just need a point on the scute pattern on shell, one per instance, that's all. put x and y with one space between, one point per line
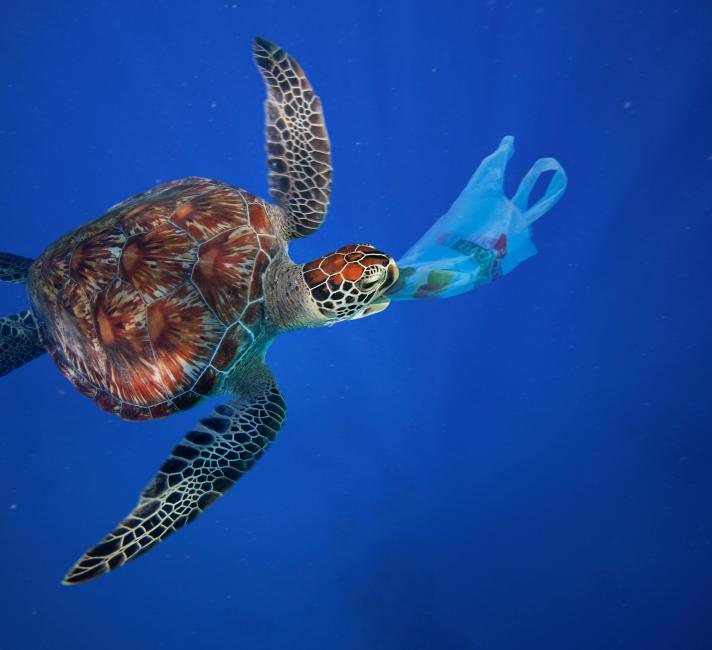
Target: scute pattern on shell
148 307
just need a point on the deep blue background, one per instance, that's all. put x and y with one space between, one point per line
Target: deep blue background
526 466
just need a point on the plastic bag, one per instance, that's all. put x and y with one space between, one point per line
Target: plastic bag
483 236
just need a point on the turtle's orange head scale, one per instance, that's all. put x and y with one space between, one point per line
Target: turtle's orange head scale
350 283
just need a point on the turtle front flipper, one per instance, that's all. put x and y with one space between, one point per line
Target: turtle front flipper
298 150
207 462
19 341
14 268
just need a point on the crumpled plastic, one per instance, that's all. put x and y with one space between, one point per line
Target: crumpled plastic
483 236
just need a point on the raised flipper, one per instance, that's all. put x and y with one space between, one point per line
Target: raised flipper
208 462
298 150
19 342
14 268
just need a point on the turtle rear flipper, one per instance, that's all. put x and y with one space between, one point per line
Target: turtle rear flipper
14 268
298 150
19 341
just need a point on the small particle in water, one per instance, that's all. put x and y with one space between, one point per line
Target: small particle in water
13 506
627 105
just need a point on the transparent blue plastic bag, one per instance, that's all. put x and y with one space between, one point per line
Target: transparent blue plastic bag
483 236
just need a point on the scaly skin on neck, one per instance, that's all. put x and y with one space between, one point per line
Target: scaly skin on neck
288 301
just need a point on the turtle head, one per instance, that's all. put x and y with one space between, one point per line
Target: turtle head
351 282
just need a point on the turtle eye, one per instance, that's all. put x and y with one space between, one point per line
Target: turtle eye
369 282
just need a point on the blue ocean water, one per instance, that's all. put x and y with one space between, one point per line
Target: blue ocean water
525 466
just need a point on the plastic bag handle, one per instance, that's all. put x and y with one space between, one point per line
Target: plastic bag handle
553 193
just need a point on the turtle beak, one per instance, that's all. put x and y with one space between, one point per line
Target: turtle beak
391 277
374 308
381 301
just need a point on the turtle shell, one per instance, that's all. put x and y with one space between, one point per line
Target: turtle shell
147 308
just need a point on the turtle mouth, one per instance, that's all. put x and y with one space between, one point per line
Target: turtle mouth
376 306
392 273
381 300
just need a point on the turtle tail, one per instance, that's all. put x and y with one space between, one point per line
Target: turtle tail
14 268
19 341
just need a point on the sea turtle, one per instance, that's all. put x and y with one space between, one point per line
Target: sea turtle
175 294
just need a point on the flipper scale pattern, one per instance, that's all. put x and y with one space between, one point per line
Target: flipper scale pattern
19 342
208 461
14 268
298 149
